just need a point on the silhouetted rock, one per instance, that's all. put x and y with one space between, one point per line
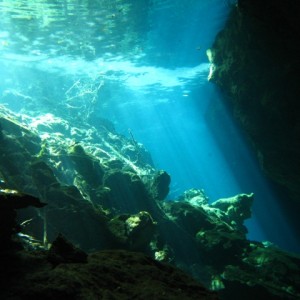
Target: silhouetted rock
62 251
256 63
160 185
10 201
105 275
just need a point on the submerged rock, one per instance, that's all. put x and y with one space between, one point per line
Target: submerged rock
266 272
236 209
106 275
256 64
86 165
133 232
99 199
127 192
228 259
62 251
10 201
160 185
194 197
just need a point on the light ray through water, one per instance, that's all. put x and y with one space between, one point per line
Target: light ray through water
160 92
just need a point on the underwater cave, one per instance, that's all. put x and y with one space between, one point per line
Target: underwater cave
149 149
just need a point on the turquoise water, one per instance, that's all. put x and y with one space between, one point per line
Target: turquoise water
142 65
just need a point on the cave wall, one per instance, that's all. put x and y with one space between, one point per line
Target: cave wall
255 62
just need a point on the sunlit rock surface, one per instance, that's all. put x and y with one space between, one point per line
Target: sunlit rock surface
98 198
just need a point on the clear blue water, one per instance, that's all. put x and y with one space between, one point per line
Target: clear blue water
143 65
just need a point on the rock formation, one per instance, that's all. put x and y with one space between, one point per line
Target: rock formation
122 206
255 62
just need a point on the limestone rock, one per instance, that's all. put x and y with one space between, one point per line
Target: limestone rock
237 209
133 232
127 193
86 165
160 185
194 197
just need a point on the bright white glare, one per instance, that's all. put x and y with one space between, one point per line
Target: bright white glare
131 75
4 34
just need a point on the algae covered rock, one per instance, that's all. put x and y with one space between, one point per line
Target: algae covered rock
86 165
213 226
195 197
266 271
133 232
107 274
98 198
221 239
236 209
191 218
18 147
128 193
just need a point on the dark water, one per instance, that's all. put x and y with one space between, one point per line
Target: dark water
142 65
